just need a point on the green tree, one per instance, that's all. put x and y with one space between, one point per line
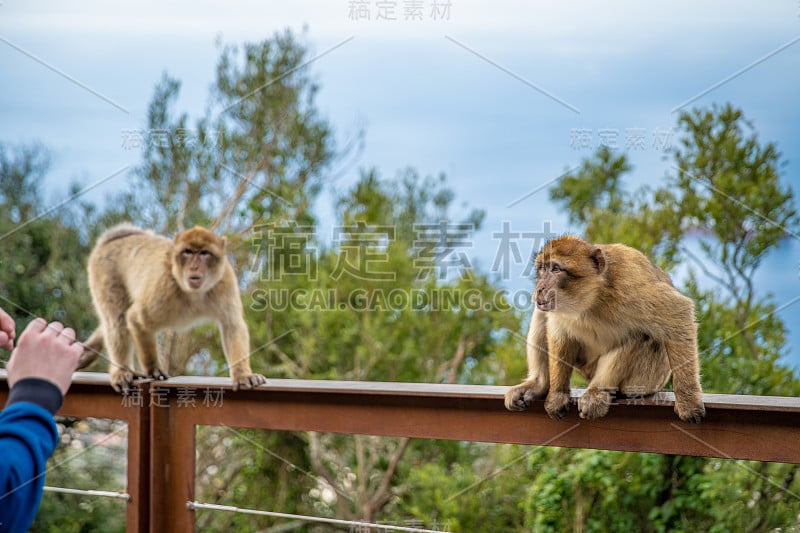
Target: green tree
41 273
347 325
731 195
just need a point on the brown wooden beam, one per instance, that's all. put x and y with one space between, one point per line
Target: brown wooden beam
741 427
161 439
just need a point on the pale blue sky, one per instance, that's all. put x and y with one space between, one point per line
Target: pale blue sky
492 96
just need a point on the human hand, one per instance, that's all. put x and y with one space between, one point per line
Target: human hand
45 351
7 331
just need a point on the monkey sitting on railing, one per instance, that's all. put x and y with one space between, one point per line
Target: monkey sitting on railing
608 312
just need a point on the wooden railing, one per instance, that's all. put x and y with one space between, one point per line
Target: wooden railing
163 417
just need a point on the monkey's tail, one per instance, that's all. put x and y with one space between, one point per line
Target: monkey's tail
91 349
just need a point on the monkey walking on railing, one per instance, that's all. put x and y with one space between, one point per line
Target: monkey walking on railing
142 283
608 312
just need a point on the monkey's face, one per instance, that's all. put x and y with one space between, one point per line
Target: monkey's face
197 260
198 266
569 274
550 277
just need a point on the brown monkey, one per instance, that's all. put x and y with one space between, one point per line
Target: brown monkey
142 283
608 312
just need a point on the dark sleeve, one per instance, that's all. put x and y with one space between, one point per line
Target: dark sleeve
39 391
28 436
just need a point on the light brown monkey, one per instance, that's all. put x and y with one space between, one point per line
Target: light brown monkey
143 283
608 312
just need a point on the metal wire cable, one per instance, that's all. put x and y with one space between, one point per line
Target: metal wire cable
306 518
99 493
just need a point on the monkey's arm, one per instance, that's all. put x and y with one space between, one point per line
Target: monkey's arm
563 352
535 387
236 343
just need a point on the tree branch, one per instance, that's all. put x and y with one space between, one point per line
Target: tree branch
702 266
383 492
315 454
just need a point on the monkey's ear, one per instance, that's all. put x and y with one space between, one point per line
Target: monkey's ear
599 258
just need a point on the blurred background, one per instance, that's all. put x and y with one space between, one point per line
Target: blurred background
354 148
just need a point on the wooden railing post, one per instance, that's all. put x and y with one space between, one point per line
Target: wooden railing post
172 463
138 513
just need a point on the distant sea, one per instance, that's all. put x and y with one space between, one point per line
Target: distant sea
779 275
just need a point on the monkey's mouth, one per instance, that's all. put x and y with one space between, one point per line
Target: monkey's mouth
195 282
546 304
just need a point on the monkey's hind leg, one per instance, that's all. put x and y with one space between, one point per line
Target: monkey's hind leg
685 367
120 351
637 368
144 338
596 400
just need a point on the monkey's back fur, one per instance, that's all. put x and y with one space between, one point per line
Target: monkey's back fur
120 231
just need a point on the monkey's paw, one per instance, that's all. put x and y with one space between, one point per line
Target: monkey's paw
157 374
122 379
249 381
520 397
594 404
557 404
690 411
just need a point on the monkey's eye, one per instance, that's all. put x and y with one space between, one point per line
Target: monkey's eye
188 251
204 253
555 268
